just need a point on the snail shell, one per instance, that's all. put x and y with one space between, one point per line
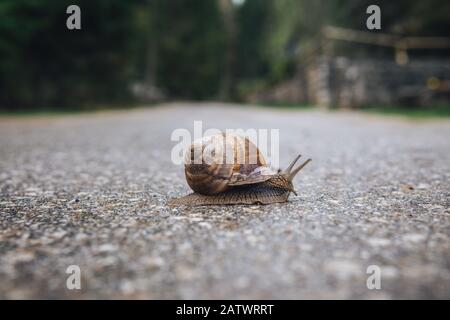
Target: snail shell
215 163
226 169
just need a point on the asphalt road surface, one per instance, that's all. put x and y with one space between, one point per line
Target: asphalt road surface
91 190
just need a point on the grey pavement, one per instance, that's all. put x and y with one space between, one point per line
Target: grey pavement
91 190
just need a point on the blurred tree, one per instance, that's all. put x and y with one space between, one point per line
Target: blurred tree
178 45
253 25
226 87
191 48
43 64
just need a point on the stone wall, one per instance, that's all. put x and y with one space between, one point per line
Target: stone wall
354 83
363 82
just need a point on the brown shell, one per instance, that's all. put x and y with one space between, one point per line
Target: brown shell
214 163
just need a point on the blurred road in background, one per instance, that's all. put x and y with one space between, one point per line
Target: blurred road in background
91 190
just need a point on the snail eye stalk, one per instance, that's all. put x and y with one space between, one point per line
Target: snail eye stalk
288 169
296 170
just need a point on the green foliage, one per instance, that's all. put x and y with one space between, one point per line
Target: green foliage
188 48
42 63
253 19
191 48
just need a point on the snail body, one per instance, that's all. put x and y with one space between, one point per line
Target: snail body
229 169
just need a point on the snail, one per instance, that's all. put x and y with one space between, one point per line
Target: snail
229 169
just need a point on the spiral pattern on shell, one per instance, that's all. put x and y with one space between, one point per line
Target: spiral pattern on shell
213 161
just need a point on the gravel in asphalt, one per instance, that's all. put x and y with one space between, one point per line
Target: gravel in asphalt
91 190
